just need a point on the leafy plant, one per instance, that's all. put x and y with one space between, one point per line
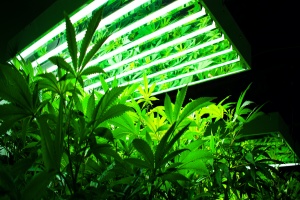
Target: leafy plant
61 142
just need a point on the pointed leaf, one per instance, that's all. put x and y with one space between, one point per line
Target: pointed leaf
179 101
90 105
93 51
197 155
114 111
91 28
160 152
193 106
171 156
92 70
168 108
197 165
144 148
71 40
61 63
138 162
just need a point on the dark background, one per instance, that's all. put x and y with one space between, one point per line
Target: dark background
271 27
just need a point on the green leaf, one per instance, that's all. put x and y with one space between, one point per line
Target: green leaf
108 100
103 83
71 40
197 155
249 157
174 177
93 51
193 106
168 108
178 103
160 152
105 133
14 88
144 148
124 181
92 70
171 156
37 185
61 63
90 105
91 28
176 137
125 122
197 166
106 150
138 163
112 112
48 146
48 82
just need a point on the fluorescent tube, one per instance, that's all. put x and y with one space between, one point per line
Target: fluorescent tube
79 15
119 13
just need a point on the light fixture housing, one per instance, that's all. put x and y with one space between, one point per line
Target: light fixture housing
176 43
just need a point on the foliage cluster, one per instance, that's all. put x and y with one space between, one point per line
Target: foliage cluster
61 142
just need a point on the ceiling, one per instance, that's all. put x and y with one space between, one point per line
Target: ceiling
270 28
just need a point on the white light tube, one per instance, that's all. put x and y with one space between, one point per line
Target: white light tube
192 62
212 42
129 28
161 47
79 15
119 13
197 72
95 85
147 37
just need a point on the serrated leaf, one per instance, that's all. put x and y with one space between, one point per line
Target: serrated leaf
197 166
71 40
193 106
110 98
171 156
112 112
91 28
197 155
93 51
144 148
61 63
14 88
92 70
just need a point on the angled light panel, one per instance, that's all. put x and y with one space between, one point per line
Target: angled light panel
173 42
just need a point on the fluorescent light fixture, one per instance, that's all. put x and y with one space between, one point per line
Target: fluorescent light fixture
147 37
175 43
95 85
161 47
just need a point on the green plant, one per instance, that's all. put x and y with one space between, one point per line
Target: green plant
61 142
